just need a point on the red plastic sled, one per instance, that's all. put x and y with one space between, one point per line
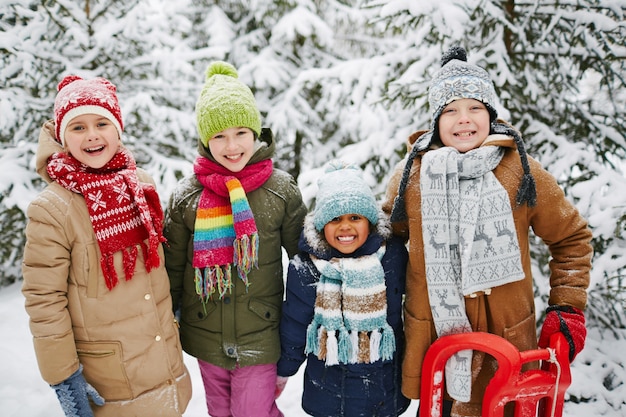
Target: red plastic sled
536 393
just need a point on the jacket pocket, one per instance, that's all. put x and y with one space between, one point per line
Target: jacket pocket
264 310
523 334
103 368
197 312
524 337
85 268
93 271
261 316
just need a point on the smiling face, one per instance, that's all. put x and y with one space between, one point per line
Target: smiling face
464 124
347 233
232 148
92 139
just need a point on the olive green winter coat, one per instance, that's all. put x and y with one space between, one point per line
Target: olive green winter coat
509 311
242 328
126 338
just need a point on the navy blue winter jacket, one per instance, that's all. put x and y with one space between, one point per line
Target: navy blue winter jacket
344 390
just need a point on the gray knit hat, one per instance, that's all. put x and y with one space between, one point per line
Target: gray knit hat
457 80
342 190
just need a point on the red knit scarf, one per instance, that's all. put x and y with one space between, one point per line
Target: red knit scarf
123 211
225 232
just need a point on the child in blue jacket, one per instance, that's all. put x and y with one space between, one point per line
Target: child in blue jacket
343 306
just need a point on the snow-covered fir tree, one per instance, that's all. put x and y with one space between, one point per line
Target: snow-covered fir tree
336 78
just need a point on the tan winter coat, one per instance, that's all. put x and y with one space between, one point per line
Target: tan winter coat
127 338
510 309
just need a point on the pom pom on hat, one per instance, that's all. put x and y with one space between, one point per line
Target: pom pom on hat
77 96
225 102
457 80
342 190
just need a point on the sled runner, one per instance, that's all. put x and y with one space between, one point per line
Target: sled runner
536 392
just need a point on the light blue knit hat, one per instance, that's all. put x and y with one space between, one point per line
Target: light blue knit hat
225 102
342 190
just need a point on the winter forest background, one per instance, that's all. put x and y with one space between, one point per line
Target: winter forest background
348 79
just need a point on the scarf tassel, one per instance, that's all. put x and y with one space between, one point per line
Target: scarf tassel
246 255
222 275
332 348
364 348
375 338
129 259
387 343
204 288
197 280
108 269
354 341
210 280
151 254
344 346
312 338
323 336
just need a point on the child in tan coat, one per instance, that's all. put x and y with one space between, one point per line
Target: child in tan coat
95 283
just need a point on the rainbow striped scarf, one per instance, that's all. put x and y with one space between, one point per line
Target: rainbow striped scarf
225 232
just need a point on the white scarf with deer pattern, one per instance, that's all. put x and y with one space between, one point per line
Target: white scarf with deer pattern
470 242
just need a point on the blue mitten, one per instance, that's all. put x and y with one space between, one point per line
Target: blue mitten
74 393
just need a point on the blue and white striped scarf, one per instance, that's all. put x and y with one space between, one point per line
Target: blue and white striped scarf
350 320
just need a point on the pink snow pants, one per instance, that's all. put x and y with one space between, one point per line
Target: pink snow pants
242 392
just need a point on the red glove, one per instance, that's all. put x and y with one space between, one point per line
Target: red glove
570 321
281 381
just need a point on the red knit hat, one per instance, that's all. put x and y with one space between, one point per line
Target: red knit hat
77 97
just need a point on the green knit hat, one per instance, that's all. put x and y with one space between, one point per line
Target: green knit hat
225 102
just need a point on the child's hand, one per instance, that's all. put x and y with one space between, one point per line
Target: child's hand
570 321
74 394
281 381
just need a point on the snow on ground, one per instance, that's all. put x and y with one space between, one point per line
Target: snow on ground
24 394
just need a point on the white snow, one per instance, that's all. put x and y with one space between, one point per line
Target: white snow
24 394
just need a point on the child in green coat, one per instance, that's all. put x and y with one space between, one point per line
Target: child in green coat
226 226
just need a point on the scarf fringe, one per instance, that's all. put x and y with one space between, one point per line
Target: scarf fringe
375 338
364 344
246 255
151 254
323 337
129 262
354 341
387 344
332 349
210 280
343 346
312 339
219 279
108 270
129 259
